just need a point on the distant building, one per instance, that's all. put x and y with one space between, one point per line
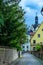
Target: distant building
32 30
37 38
36 22
34 27
26 46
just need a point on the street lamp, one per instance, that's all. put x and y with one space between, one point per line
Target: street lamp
42 11
41 43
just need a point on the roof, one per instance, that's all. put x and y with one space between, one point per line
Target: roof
32 33
36 30
35 26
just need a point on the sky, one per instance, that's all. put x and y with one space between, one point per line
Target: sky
31 7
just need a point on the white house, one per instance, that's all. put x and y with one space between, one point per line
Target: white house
26 46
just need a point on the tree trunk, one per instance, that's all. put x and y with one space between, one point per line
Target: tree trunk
18 54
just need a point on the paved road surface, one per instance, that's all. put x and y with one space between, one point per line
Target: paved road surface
29 59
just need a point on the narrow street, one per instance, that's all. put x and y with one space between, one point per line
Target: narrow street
29 59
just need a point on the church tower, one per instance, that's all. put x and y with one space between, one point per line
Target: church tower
36 20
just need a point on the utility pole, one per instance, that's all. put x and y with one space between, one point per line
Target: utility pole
41 43
42 11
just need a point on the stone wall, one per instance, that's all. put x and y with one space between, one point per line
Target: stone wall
7 55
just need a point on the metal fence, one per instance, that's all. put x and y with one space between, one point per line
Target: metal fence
38 54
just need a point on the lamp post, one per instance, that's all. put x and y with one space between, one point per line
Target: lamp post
42 11
41 43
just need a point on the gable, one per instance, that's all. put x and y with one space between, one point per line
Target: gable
38 36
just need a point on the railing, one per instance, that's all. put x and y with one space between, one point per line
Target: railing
38 54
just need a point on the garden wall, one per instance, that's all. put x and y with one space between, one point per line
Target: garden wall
7 55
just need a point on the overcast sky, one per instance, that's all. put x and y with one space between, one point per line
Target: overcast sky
31 7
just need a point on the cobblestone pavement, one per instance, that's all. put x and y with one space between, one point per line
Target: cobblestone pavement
29 59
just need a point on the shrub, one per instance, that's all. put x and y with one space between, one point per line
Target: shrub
38 47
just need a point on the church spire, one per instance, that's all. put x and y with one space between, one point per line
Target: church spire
36 19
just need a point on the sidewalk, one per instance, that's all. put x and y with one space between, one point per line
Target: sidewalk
15 62
28 59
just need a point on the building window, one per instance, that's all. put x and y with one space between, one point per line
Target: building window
33 48
23 46
38 35
34 41
27 47
42 29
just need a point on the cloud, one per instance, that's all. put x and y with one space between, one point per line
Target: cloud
36 2
31 7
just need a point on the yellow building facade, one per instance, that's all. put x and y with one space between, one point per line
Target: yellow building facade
37 38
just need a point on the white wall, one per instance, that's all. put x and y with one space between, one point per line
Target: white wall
26 44
8 55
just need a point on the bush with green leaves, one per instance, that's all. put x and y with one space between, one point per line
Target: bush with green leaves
38 47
